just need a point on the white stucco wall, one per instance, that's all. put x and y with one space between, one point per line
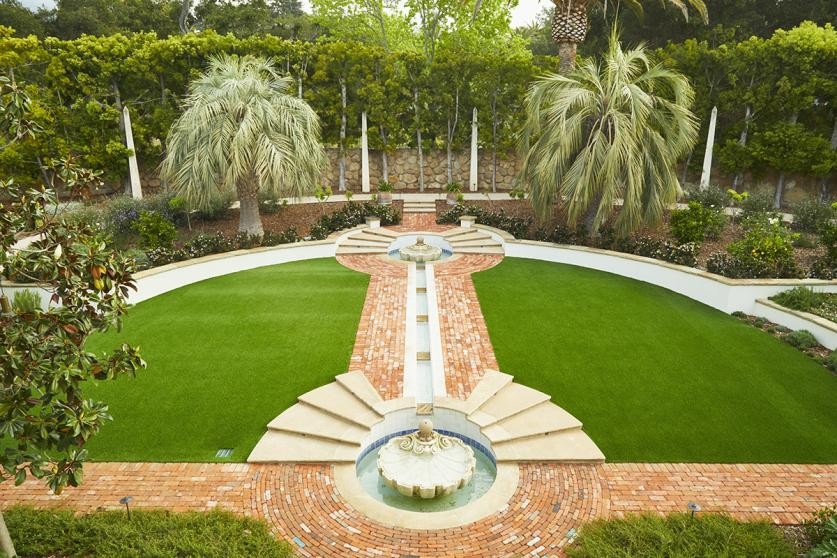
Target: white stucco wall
824 330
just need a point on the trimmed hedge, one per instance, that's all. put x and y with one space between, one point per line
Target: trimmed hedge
38 533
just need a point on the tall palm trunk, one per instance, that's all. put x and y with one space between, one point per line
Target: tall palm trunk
249 221
6 544
569 28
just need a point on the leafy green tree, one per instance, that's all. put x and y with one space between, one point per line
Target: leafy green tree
45 420
607 131
242 131
13 14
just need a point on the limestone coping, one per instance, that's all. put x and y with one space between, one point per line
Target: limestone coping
676 267
818 320
494 500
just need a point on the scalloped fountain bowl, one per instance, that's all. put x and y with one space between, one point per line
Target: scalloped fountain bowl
426 464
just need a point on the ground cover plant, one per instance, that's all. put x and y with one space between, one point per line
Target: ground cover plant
653 375
807 300
225 356
161 534
678 535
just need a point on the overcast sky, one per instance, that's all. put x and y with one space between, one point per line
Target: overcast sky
523 14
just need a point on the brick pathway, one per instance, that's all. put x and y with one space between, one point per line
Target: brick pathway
301 501
302 504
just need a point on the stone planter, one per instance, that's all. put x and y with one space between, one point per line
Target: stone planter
384 198
452 198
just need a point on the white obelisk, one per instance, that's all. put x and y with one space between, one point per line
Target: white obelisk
364 154
133 167
707 156
473 179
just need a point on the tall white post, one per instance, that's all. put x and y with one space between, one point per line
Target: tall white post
473 179
364 154
133 168
707 157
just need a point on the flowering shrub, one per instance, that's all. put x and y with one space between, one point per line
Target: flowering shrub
766 249
723 263
205 244
352 215
697 223
680 254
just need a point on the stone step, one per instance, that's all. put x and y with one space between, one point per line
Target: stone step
380 231
477 243
482 250
310 421
509 401
492 381
419 210
346 250
458 231
544 419
359 243
422 203
335 399
573 446
371 237
286 447
360 387
469 235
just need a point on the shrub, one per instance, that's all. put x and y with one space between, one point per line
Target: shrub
811 215
678 534
205 244
351 215
119 214
26 302
516 226
726 264
650 247
287 236
801 339
828 239
384 186
822 533
766 249
697 223
712 198
162 256
218 207
799 298
155 231
759 203
269 204
148 533
805 241
140 258
831 361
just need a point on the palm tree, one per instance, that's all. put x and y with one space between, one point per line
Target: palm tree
241 131
569 23
608 131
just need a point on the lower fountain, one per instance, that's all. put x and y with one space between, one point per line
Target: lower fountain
426 464
420 252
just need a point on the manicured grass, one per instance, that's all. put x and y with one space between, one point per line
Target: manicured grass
655 376
38 533
225 356
678 536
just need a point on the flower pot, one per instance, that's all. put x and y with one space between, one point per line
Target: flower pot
452 198
384 198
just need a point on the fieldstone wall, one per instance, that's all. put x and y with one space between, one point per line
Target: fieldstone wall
404 172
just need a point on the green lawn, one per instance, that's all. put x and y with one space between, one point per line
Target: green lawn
653 375
224 357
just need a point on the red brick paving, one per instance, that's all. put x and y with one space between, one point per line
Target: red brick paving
551 499
302 501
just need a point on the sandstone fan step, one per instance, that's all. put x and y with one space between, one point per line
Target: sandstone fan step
474 235
429 203
458 231
544 419
476 243
382 232
512 399
286 447
492 381
310 421
482 250
346 250
381 239
360 387
419 210
573 446
360 243
335 399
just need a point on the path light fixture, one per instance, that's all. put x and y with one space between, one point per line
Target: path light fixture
125 500
693 507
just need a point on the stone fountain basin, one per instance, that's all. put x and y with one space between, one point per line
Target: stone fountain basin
427 475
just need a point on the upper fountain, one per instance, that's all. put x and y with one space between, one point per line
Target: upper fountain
420 252
426 464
